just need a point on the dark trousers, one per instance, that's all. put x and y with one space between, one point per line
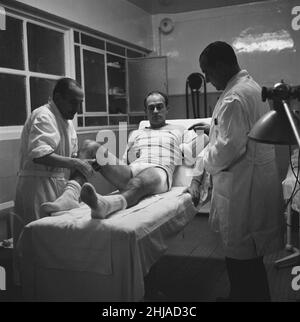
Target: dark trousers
248 280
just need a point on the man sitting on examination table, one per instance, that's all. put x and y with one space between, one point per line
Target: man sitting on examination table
246 205
148 164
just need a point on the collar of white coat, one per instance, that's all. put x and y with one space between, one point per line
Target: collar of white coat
235 79
56 111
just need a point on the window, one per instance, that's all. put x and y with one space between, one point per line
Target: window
116 75
45 50
94 81
101 68
12 98
40 89
11 44
35 53
32 58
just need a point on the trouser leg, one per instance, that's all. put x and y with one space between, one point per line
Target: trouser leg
248 279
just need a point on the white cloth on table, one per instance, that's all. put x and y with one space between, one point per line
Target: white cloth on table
71 241
121 248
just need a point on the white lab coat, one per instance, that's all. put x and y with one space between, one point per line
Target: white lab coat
44 132
246 206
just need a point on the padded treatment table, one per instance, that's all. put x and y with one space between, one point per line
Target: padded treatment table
73 257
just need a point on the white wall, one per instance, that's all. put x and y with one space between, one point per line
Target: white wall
262 34
117 18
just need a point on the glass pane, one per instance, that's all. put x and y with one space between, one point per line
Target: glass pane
96 120
94 82
117 84
78 64
12 100
91 41
40 91
45 50
77 37
136 119
133 54
11 44
115 49
115 120
78 69
117 105
80 121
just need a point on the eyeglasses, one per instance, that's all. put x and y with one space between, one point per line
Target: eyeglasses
158 107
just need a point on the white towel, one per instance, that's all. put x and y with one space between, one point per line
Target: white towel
72 241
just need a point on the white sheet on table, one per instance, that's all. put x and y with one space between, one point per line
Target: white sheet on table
74 241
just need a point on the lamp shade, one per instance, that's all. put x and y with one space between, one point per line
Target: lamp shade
273 128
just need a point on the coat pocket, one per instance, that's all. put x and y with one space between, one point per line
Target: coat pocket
220 205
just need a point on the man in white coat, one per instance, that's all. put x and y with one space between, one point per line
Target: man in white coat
47 156
246 206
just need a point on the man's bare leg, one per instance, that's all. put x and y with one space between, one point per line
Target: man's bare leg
112 169
148 182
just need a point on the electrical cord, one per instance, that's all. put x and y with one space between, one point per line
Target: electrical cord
294 192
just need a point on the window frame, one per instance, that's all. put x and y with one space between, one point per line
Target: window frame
88 129
14 131
68 28
97 51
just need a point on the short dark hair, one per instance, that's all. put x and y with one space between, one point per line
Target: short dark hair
165 97
63 85
219 51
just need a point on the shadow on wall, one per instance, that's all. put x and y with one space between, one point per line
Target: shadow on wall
177 105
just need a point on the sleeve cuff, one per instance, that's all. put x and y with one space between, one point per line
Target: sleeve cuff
40 151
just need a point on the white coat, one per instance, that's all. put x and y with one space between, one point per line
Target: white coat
44 132
246 206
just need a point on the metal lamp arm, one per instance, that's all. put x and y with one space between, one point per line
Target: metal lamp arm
292 121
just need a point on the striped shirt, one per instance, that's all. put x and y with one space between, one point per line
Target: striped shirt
161 147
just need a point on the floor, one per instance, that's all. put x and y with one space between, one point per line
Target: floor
192 270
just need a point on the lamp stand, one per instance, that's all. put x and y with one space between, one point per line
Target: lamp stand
294 258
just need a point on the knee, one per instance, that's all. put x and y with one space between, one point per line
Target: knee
136 183
147 185
88 149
